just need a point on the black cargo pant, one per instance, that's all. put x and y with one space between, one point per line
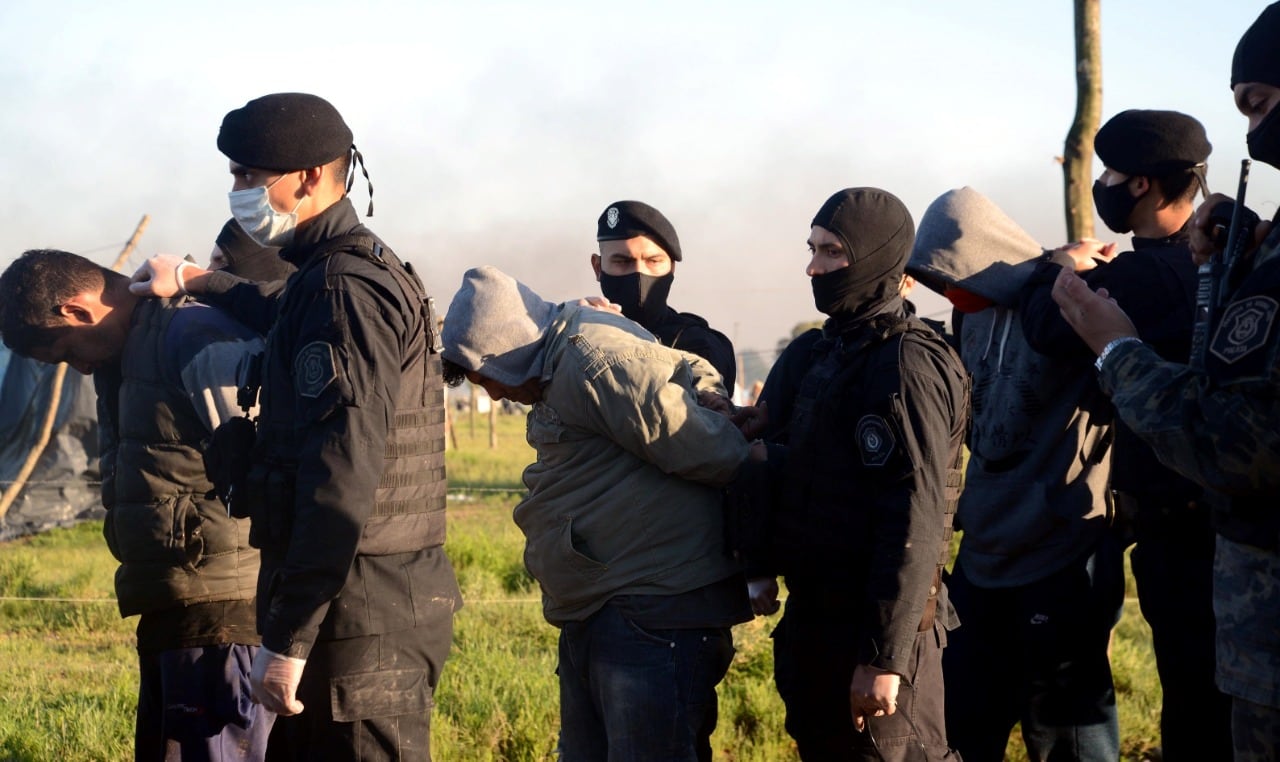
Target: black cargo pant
1173 568
815 652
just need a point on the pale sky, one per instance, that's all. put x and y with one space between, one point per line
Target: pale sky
496 133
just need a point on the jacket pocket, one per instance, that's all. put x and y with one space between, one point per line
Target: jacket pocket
563 564
187 537
380 694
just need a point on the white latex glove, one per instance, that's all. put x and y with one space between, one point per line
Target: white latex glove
274 679
161 276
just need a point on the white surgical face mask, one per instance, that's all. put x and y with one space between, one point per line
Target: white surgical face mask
252 209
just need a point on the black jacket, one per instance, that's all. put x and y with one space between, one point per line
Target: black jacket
866 430
348 468
1156 285
690 333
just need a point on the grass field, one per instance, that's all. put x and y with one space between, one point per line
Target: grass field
69 686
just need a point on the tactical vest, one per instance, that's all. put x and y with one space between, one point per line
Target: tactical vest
175 542
824 521
1244 348
409 503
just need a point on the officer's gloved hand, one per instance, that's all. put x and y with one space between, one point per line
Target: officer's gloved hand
162 276
275 681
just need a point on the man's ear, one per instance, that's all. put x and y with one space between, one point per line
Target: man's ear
81 309
312 177
595 265
1140 185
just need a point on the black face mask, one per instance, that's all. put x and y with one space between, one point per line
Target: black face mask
1115 203
1264 140
837 291
643 298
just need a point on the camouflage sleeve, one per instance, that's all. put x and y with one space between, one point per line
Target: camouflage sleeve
1225 437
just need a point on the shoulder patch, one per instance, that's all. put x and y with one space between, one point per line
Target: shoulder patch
1245 327
314 368
875 440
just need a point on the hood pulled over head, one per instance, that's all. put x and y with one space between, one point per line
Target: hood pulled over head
496 326
966 242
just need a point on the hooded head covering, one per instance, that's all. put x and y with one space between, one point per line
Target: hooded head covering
876 230
249 259
965 241
1257 57
496 326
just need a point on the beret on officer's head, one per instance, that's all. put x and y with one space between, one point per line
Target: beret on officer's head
284 132
628 219
1257 57
871 223
1146 142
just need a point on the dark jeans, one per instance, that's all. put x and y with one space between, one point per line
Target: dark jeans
194 705
815 653
367 698
1037 654
628 694
1173 566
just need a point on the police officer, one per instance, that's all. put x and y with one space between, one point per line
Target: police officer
347 490
1219 424
636 267
1153 167
866 421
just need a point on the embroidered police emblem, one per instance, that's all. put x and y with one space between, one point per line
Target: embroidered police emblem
875 440
314 368
611 217
1245 327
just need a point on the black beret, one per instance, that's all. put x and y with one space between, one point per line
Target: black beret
249 259
1257 57
628 219
1144 142
872 223
284 132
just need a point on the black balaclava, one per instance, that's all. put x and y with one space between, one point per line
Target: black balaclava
247 258
643 297
877 233
1257 59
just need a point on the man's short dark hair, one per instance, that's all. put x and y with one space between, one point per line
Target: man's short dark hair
1180 185
35 286
454 374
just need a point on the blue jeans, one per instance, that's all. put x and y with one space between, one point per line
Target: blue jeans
194 704
628 694
1036 654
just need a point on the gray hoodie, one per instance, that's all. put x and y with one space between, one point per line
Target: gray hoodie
1035 488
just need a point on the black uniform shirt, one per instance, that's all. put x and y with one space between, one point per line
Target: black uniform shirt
1156 285
690 333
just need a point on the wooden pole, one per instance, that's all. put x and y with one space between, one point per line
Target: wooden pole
493 425
1077 157
132 244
